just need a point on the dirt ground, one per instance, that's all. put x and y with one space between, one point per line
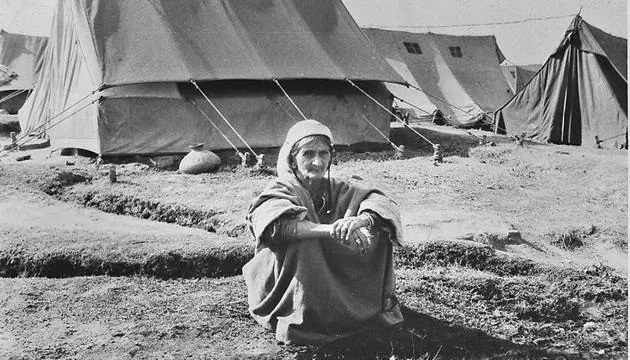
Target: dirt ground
512 252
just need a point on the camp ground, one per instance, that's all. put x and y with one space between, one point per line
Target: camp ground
578 97
458 75
514 246
24 31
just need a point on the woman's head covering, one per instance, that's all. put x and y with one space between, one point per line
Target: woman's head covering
296 133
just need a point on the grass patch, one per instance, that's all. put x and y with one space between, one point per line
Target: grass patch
164 265
571 239
494 154
474 256
54 182
121 204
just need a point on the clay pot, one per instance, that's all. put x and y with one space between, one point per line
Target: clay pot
199 161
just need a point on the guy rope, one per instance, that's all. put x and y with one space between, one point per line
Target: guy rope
447 120
437 155
288 97
259 158
12 95
399 149
467 112
286 110
47 126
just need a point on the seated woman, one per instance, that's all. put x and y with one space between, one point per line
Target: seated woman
323 266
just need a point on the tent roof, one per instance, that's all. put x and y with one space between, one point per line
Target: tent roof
173 40
462 85
613 47
587 37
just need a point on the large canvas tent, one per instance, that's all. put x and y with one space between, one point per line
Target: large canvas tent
137 57
459 75
24 27
578 97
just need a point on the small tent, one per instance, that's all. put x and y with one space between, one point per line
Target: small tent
459 75
132 62
517 76
578 97
24 28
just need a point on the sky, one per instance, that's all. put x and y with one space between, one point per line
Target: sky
529 42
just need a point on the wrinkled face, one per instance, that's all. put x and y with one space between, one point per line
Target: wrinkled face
312 160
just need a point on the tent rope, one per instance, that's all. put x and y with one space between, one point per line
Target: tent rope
389 111
383 135
407 102
17 146
517 137
439 99
43 125
243 156
612 137
482 118
12 95
447 120
223 117
437 153
286 110
288 97
214 125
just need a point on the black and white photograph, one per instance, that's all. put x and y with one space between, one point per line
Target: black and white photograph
313 179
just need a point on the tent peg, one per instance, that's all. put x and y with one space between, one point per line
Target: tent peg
259 161
437 155
244 158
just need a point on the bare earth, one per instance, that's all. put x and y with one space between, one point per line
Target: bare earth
512 251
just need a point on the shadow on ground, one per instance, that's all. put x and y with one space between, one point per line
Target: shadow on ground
424 337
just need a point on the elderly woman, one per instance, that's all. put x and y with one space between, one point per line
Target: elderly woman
323 265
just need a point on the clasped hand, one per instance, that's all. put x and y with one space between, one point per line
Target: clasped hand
353 232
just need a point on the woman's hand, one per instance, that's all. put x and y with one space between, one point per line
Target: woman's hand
361 241
342 229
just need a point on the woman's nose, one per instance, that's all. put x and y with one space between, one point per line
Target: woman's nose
317 161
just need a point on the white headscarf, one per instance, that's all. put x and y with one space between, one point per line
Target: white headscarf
296 133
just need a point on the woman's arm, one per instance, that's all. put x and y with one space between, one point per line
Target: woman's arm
288 230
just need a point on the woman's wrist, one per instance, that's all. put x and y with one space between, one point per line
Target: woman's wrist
307 229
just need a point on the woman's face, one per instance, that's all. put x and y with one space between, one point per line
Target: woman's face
312 160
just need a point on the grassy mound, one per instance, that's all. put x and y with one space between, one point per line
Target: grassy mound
465 254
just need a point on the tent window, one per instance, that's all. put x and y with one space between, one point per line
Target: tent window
412 47
513 74
455 51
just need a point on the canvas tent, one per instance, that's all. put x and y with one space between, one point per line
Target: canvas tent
517 76
137 57
460 75
578 97
24 27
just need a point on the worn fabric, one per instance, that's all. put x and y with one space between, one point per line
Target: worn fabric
315 291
